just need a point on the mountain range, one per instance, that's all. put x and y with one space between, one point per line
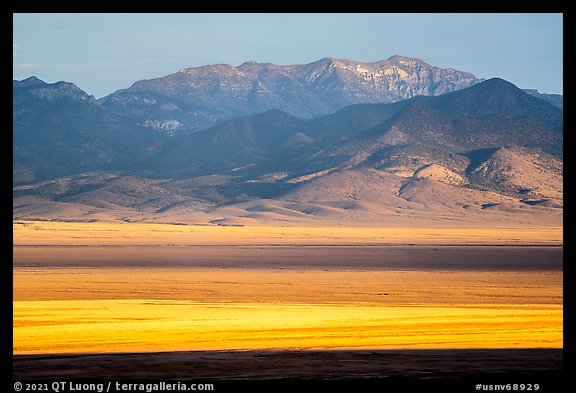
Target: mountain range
396 140
197 98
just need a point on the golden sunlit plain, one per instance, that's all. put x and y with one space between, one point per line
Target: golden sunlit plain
164 325
61 233
65 306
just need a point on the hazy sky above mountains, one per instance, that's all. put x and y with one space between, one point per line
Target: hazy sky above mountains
102 53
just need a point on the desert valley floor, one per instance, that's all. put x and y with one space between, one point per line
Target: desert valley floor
96 288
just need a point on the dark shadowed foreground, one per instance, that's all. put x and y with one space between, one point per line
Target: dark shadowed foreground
524 365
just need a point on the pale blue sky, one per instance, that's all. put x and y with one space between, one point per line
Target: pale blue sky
102 53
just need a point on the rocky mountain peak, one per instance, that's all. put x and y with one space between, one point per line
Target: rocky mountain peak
32 81
403 60
495 96
221 69
53 91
